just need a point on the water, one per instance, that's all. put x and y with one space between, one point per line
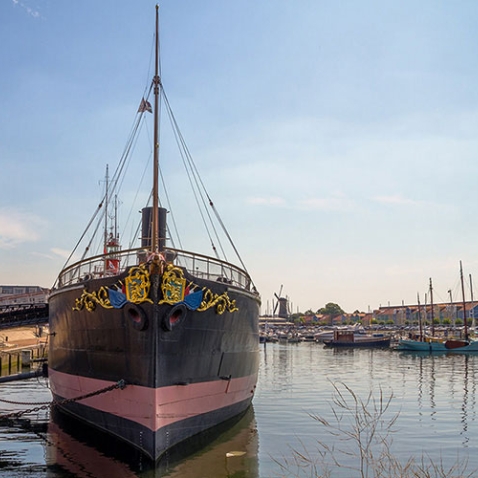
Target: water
432 397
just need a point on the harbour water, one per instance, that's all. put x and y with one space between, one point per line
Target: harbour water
424 407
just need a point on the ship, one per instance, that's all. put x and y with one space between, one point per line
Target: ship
152 344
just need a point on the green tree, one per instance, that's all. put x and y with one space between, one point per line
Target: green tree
331 310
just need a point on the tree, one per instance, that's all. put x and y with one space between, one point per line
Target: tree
331 310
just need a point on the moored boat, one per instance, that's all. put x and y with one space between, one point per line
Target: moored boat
467 344
428 344
422 342
153 344
346 338
327 333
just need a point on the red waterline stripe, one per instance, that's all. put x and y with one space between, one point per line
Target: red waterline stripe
154 408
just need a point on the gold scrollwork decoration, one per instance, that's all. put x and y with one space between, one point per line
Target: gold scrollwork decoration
88 300
136 284
222 302
174 286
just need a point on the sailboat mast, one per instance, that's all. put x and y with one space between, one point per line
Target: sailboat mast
464 304
156 82
420 317
472 308
431 305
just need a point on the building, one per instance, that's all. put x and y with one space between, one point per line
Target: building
11 295
441 313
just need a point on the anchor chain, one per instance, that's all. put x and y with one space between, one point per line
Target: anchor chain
121 384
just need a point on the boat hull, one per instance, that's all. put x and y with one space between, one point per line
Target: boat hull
372 343
460 346
421 346
182 375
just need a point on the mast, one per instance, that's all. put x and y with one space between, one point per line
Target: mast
472 305
116 236
156 83
464 304
105 233
431 305
420 318
452 310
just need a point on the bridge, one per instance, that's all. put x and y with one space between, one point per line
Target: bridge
23 314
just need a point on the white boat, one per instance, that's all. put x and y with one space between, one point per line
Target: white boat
328 333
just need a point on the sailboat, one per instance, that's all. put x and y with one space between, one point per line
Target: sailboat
465 344
423 343
153 344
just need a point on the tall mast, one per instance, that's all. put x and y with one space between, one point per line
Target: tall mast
464 304
105 233
156 82
472 308
116 217
431 305
420 317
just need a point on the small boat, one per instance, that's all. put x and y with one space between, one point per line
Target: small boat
423 342
154 344
428 344
466 345
433 344
347 338
327 333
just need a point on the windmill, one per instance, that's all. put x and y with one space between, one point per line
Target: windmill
282 304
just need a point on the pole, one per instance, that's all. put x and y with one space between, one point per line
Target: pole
156 82
431 305
464 304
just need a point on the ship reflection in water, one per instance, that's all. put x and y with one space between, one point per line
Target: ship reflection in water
72 449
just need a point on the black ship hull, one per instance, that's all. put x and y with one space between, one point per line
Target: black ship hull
153 371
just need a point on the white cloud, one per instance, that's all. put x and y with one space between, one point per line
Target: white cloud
41 255
396 199
60 252
331 203
34 13
17 227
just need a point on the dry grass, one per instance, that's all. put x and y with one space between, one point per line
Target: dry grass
361 432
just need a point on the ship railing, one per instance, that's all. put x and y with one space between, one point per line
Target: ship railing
198 265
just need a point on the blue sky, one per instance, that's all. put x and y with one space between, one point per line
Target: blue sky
338 138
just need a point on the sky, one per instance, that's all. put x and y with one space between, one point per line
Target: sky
339 137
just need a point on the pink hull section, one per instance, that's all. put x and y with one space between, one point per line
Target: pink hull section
155 408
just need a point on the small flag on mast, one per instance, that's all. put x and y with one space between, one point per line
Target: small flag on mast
145 106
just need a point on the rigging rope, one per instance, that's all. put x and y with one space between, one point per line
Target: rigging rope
193 176
199 185
202 198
